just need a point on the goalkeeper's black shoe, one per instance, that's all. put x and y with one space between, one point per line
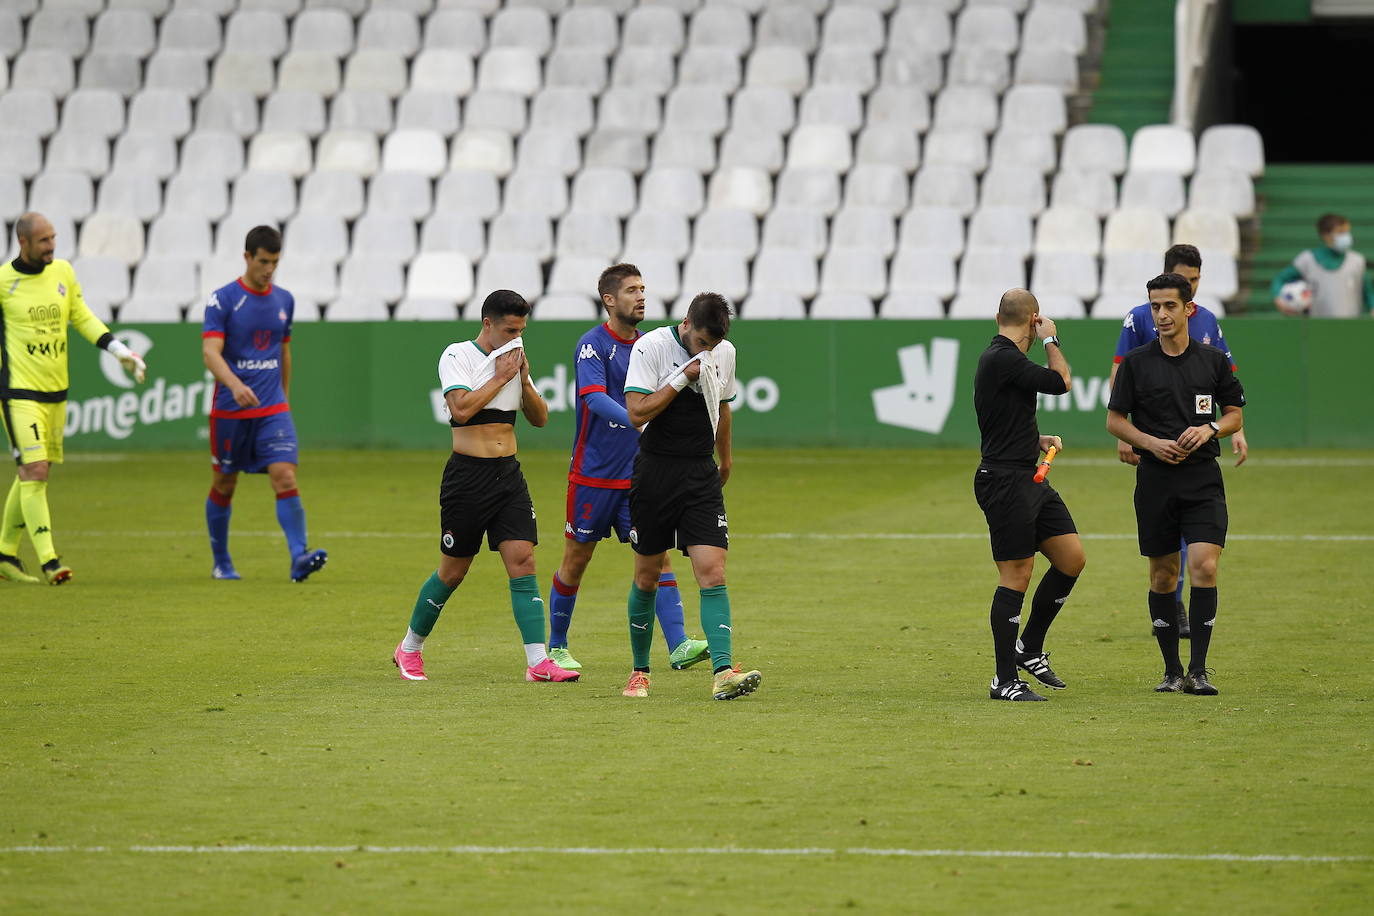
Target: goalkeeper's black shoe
1172 683
1184 631
1197 684
1016 691
1038 666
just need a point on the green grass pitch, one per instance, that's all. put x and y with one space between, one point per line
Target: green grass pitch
147 706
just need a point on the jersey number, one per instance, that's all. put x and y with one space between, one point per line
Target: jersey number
34 427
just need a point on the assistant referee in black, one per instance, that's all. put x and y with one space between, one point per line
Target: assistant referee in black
1023 516
1172 400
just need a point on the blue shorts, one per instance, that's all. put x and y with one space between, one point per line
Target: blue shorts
594 511
250 445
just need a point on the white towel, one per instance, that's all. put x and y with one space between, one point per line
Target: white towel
710 385
506 348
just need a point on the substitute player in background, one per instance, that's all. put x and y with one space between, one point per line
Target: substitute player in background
603 456
246 345
1164 404
483 490
680 382
1023 516
39 296
1138 330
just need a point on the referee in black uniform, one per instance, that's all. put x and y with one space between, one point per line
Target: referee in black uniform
1171 388
1023 516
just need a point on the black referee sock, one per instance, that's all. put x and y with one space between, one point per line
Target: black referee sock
1202 612
1050 596
1006 621
1164 618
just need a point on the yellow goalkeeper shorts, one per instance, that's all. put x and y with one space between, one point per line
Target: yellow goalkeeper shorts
35 430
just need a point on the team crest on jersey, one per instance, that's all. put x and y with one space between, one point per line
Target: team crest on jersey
1202 403
1207 339
61 290
281 316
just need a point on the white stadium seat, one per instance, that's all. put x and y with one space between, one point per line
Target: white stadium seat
772 304
1127 271
911 305
1094 148
1138 228
100 111
796 228
1153 188
339 193
1213 229
786 269
1065 273
1164 147
1068 228
1238 147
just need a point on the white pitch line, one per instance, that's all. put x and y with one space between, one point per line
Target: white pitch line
764 536
687 850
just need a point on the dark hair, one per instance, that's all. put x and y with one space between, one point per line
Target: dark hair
1174 282
1327 223
1015 307
613 276
262 237
1182 256
710 314
504 302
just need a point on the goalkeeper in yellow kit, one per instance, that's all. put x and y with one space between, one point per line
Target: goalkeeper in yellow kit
39 295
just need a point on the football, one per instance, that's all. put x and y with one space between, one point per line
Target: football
1296 296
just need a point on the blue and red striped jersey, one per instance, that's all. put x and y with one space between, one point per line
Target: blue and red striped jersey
254 325
603 451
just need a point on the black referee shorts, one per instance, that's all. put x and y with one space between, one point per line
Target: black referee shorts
1021 513
1173 501
483 496
676 502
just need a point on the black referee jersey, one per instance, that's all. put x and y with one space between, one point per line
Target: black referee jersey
1004 390
1164 395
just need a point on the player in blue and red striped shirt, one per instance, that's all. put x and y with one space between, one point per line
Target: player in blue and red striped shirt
246 343
1139 329
599 473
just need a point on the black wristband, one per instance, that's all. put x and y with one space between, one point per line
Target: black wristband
104 341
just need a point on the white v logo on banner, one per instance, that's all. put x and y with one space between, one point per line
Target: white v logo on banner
924 398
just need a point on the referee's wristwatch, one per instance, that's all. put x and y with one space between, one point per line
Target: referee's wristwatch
1216 428
1052 340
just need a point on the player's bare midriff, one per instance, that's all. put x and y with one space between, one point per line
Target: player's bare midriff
490 440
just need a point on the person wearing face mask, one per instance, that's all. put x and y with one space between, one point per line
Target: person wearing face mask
1333 270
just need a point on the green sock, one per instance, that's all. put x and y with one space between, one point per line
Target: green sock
641 607
428 604
528 608
715 620
12 528
33 496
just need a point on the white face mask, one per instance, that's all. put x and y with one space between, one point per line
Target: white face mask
1342 241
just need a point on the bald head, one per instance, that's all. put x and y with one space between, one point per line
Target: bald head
37 238
1016 309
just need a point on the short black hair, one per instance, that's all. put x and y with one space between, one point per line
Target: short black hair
503 302
710 314
262 237
613 276
1182 256
1327 223
1174 282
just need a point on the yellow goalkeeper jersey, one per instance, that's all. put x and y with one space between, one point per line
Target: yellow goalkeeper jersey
34 311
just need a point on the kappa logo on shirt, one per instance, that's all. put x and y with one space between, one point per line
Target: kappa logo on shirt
587 352
1202 403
